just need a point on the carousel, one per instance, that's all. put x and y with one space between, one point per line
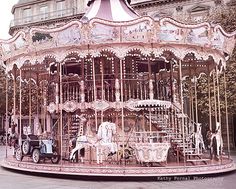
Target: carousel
115 94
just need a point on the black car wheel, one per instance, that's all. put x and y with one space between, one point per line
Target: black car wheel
36 155
18 154
55 158
26 147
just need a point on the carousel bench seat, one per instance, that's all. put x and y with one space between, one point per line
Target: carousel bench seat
33 139
152 152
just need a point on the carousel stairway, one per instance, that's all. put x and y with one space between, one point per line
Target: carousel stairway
72 132
74 126
65 146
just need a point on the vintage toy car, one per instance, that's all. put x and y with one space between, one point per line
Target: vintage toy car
38 149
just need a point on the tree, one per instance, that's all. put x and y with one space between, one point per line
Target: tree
226 17
2 91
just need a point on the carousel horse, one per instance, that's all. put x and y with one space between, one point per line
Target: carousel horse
216 141
103 140
198 139
80 143
105 135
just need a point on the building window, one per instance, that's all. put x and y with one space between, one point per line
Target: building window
27 15
198 13
61 8
43 11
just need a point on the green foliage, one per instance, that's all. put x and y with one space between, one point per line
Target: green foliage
226 17
2 91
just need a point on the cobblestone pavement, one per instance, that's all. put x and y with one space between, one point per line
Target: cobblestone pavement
14 180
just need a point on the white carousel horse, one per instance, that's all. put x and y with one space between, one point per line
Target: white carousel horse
105 135
218 138
104 140
199 143
81 142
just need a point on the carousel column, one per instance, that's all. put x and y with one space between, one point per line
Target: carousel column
44 109
61 113
196 101
182 108
82 94
191 114
29 130
122 105
151 95
95 93
218 94
7 118
171 81
117 88
103 93
215 101
14 97
209 99
37 124
173 110
20 116
219 115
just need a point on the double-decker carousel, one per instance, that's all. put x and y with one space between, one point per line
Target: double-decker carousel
115 94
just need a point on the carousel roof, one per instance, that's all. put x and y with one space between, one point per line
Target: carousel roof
112 10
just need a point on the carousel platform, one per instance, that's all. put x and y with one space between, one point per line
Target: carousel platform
67 169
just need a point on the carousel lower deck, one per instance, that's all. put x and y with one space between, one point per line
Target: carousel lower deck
121 169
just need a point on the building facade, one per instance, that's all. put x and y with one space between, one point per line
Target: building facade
55 12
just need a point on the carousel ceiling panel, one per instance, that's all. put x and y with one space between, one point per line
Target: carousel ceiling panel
146 34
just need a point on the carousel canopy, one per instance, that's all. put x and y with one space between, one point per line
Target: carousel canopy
152 103
112 10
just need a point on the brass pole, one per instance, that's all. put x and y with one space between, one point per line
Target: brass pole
218 94
122 106
196 101
209 102
215 103
30 102
14 94
7 119
61 112
101 62
95 93
20 106
182 108
226 114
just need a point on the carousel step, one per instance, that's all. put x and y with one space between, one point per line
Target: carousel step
198 160
190 153
195 154
177 141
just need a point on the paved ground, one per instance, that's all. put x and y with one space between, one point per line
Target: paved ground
13 180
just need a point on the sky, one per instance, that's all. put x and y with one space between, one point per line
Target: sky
6 17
